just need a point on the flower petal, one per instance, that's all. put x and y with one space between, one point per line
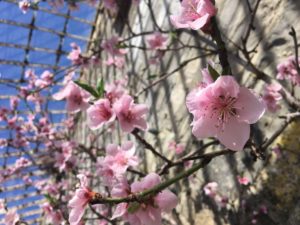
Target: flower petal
166 200
200 22
235 135
249 107
205 127
120 210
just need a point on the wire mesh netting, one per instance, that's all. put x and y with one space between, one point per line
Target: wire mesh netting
37 41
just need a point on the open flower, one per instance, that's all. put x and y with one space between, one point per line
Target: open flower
77 98
194 14
80 200
100 113
146 213
129 114
287 70
117 160
224 110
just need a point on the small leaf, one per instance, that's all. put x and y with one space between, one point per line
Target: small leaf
152 76
88 88
214 74
50 199
100 88
133 207
173 35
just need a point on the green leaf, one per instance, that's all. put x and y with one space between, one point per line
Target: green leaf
173 35
88 88
152 76
50 199
100 88
214 74
133 207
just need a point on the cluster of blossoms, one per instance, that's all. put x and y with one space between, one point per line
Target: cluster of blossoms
65 160
52 216
272 96
116 55
112 169
116 104
113 166
78 59
147 212
158 43
211 190
224 110
14 169
31 92
287 70
194 14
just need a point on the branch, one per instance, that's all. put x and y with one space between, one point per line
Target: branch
163 76
294 36
147 194
150 147
222 51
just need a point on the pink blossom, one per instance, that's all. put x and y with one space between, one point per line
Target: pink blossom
287 70
210 189
75 54
80 200
14 102
21 163
24 5
117 61
178 148
129 114
11 217
45 80
194 14
115 90
111 46
65 162
117 160
122 157
157 41
100 113
224 110
148 212
77 98
243 180
54 217
272 96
